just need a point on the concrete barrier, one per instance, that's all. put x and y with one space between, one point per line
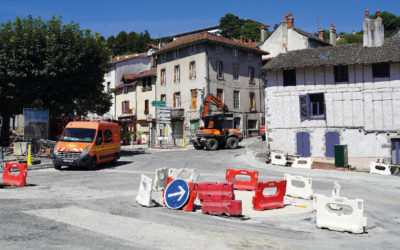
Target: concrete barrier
278 159
379 168
302 163
187 174
160 179
349 219
304 192
144 195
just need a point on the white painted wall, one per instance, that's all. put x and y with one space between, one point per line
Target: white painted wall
364 111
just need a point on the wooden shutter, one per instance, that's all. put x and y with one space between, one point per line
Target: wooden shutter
190 70
304 107
174 100
194 99
122 110
174 74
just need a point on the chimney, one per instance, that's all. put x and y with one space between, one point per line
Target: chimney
264 33
241 39
284 49
290 21
332 35
373 31
321 33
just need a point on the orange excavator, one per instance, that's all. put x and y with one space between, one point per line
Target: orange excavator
215 135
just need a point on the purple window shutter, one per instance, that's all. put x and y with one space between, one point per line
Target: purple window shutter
122 107
304 107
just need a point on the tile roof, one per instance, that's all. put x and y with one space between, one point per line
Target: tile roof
208 37
133 78
336 55
116 59
150 45
310 36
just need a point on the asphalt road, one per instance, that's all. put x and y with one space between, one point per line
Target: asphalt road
79 209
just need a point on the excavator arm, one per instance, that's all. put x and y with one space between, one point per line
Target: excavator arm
206 105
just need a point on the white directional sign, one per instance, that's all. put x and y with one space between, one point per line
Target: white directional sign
163 114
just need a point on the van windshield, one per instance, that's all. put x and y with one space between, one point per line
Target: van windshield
78 135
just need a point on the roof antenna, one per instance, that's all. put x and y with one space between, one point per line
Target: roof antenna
318 26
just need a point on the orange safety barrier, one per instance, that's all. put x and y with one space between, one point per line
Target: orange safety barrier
169 180
239 184
193 195
15 179
262 202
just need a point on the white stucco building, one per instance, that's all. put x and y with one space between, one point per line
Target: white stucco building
349 94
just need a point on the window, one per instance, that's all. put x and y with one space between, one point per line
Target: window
380 70
289 77
108 87
220 70
194 99
192 50
192 70
177 99
125 107
177 73
108 136
235 52
162 78
341 73
251 75
235 71
125 88
252 101
176 54
163 58
236 99
220 95
218 48
146 107
163 98
312 107
251 124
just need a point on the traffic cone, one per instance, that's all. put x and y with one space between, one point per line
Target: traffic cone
29 155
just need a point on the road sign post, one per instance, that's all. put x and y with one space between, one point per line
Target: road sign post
176 194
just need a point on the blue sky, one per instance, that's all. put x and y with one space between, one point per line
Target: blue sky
163 18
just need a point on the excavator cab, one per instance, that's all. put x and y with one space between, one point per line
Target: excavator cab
216 134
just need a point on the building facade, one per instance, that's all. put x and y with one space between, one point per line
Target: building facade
192 67
349 94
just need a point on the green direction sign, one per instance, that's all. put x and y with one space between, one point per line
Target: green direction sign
158 103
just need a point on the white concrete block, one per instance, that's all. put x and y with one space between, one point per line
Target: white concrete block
278 159
379 168
144 195
350 221
302 162
304 192
160 179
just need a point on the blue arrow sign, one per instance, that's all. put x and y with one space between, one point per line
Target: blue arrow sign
176 194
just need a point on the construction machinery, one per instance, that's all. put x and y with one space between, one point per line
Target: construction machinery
215 133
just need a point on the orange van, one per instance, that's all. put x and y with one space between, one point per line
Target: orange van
87 144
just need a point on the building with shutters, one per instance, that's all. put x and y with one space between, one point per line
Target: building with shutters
191 67
350 94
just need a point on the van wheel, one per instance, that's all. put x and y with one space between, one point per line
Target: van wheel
232 142
93 164
212 144
115 159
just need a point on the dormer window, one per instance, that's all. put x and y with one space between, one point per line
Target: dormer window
192 50
176 54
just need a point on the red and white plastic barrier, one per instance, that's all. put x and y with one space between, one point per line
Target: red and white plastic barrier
144 195
262 202
305 191
326 217
218 199
15 179
240 184
278 159
379 168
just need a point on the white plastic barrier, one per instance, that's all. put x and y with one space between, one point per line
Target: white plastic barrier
187 174
278 158
335 194
160 180
350 221
144 195
302 163
304 192
379 168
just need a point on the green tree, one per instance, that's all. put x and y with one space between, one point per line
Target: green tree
48 65
230 26
350 38
121 43
131 42
111 44
142 41
391 22
251 30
